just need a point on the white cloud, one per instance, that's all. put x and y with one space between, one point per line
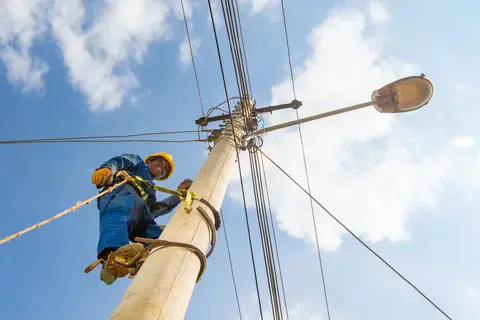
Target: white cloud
370 169
185 55
21 22
472 296
378 11
259 6
99 52
99 58
463 142
466 298
301 311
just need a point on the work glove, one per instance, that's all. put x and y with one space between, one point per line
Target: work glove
101 177
184 185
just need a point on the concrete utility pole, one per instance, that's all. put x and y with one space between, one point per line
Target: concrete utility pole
163 286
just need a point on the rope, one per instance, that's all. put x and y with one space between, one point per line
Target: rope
74 208
357 238
237 155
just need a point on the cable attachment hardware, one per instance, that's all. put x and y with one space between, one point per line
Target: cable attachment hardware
254 144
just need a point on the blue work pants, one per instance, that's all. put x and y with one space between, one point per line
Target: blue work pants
124 216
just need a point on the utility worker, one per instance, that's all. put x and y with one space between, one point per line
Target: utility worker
124 214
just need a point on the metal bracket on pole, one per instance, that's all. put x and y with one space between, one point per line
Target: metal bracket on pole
295 104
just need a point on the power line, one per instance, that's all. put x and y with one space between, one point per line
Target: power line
231 18
228 9
231 264
265 236
193 59
275 240
243 46
357 238
288 49
238 157
305 164
112 136
12 142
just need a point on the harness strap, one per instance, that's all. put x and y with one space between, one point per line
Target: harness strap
133 265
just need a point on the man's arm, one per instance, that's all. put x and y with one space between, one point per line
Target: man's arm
164 206
122 162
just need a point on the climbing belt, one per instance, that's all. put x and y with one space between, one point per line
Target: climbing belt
125 265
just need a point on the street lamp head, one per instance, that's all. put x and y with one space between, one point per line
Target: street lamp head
406 94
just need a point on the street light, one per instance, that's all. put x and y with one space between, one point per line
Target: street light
402 95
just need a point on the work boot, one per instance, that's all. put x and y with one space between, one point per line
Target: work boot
111 270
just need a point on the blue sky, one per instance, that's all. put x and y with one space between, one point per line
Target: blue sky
407 183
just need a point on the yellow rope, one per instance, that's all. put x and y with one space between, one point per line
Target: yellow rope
75 207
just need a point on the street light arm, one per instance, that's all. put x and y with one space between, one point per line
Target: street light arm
308 119
403 95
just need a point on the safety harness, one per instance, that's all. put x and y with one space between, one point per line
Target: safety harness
124 265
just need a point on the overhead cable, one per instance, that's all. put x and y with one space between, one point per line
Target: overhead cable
275 239
192 58
231 264
322 274
238 157
358 238
265 236
42 141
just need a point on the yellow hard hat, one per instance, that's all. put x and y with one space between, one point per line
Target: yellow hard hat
167 157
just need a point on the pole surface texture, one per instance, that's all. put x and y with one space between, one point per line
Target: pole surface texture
164 284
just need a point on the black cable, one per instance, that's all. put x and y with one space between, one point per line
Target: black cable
357 238
239 47
275 240
266 236
238 157
220 104
227 14
288 49
98 141
243 47
314 220
305 164
261 228
231 264
107 137
193 59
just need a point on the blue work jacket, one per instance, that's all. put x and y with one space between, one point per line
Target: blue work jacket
135 166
